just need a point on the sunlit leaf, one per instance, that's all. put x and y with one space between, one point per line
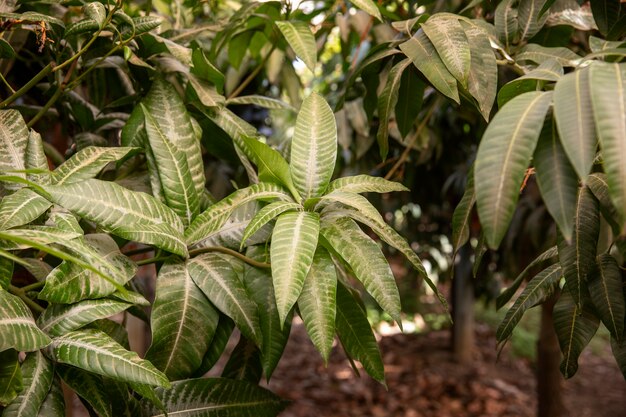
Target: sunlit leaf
301 40
368 6
267 214
364 184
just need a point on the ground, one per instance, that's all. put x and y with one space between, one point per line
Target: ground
424 381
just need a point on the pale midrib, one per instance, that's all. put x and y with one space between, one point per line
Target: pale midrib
295 240
435 66
17 321
181 324
577 246
16 210
581 115
530 19
35 383
605 291
75 312
451 51
621 100
567 355
84 163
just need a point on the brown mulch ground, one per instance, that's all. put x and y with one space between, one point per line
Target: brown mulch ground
424 381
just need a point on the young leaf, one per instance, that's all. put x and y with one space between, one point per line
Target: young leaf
36 158
294 241
317 302
21 207
503 156
217 279
265 215
482 81
10 376
313 147
37 373
605 287
17 326
387 102
301 40
87 163
183 322
94 351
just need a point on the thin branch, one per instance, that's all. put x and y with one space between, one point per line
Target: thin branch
33 286
22 295
33 81
252 75
230 252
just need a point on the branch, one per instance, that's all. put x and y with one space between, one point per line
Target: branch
230 252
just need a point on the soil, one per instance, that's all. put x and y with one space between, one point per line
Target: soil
423 380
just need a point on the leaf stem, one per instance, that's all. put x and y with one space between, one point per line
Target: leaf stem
33 81
230 252
33 286
149 261
7 83
22 295
252 75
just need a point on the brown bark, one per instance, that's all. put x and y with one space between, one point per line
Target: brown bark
549 380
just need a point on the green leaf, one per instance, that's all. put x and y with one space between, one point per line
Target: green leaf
204 92
134 132
605 287
447 36
271 165
261 101
80 27
70 282
204 68
537 291
599 186
10 376
88 387
462 215
579 257
265 215
6 268
610 16
54 403
539 54
183 322
548 70
506 22
574 327
215 397
367 262
224 330
96 11
94 351
145 24
313 147
37 373
369 7
503 156
424 56
128 214
59 319
6 50
62 219
36 158
317 302
87 163
217 279
21 207
355 334
482 81
215 216
410 99
17 326
530 18
608 97
13 143
387 102
556 178
301 39
572 109
244 362
294 241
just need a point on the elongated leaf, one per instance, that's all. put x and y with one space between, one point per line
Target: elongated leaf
462 215
537 291
94 351
261 101
364 184
530 18
37 376
244 362
317 302
36 158
267 214
224 330
506 22
355 334
6 268
13 143
301 40
427 60
10 376
608 97
578 258
447 36
387 102
503 156
204 92
556 178
64 220
599 186
293 245
17 326
366 261
507 294
574 328
54 404
410 99
89 387
548 70
213 218
215 397
59 319
217 279
128 214
369 7
482 81
572 109
610 15
183 323
313 147
21 207
539 54
87 163
605 287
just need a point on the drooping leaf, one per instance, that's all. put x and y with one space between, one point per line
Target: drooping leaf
54 403
539 54
13 143
94 351
215 397
21 207
301 39
599 186
37 373
267 214
462 215
10 376
128 214
87 163
575 326
410 98
183 322
89 387
482 81
317 302
537 291
556 178
530 18
224 330
503 156
217 279
244 362
427 60
548 70
293 245
313 147
369 7
17 326
364 184
578 258
608 97
387 102
355 334
572 110
506 22
605 288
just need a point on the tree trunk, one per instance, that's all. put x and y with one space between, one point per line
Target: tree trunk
549 380
463 307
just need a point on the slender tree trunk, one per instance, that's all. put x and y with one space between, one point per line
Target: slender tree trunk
463 307
549 380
